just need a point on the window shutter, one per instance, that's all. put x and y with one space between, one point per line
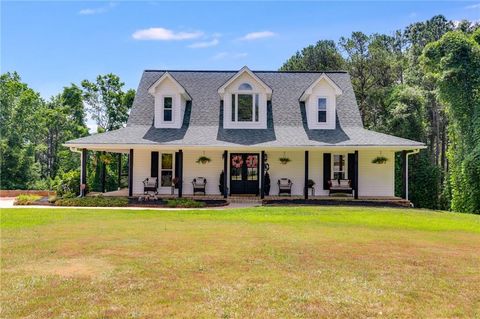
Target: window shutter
154 165
327 162
177 166
351 168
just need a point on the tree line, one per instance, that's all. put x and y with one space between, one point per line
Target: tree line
32 131
420 83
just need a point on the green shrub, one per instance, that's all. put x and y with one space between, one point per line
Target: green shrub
184 203
67 183
25 199
98 201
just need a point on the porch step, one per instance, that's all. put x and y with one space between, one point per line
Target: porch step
245 199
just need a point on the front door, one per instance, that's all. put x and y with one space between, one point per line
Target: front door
244 173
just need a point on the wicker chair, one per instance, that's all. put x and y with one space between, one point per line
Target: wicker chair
284 186
199 185
150 184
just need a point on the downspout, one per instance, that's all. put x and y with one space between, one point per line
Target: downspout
406 177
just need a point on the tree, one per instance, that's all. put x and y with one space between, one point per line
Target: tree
454 61
323 56
106 101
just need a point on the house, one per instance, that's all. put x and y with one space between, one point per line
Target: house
298 126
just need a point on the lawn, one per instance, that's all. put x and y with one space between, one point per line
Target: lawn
247 263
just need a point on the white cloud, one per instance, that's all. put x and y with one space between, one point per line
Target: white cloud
473 6
229 55
162 34
91 11
257 35
205 44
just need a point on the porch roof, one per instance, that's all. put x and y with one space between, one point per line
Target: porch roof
213 136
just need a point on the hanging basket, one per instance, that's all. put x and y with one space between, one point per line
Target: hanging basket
284 160
203 160
380 160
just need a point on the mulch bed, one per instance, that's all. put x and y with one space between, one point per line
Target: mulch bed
326 202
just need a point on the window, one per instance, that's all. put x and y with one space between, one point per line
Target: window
167 109
245 87
322 110
245 107
167 170
339 165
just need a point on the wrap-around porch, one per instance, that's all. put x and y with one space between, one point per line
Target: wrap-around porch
312 173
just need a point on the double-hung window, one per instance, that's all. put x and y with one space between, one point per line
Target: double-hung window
245 105
339 166
167 169
322 110
167 109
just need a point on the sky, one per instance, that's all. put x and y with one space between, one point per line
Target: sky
53 44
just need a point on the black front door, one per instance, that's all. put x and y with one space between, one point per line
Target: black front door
244 173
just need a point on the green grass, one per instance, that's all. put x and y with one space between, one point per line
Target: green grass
261 262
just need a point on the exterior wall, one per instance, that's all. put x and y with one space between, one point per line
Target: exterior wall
169 88
322 89
374 179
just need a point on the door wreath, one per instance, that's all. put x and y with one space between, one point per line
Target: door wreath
237 161
252 161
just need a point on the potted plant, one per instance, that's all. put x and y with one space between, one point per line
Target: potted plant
284 160
266 186
380 160
203 160
310 183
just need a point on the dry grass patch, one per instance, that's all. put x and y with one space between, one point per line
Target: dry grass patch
89 267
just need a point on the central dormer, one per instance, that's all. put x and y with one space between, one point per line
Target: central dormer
245 99
321 103
170 102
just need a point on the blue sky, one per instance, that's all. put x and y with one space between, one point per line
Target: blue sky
52 44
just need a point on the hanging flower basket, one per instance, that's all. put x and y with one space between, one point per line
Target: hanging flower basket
380 160
237 161
284 160
203 160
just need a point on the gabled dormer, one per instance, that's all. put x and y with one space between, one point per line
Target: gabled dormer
320 103
245 99
170 102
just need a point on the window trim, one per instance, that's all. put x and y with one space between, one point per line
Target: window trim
255 107
317 111
161 169
345 166
172 108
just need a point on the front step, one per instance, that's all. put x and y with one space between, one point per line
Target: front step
245 199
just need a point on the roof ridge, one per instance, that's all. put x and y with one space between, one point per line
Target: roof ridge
236 71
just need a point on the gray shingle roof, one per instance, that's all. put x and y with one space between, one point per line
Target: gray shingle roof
286 118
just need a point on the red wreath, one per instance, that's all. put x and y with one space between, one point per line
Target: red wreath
252 161
237 161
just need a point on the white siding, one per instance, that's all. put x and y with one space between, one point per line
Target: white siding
376 179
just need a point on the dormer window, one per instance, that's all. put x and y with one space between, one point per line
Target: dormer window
245 98
320 100
322 110
245 106
170 102
167 109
